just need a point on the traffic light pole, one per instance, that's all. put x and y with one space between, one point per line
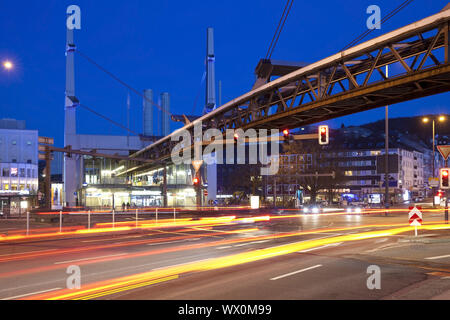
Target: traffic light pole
446 206
48 190
446 198
198 190
165 186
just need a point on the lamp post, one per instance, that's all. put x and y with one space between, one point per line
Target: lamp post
426 120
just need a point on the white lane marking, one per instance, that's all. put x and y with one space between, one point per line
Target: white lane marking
438 257
92 258
29 294
224 247
295 272
12 254
243 244
381 240
174 241
322 247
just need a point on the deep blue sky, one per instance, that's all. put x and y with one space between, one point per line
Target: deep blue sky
161 45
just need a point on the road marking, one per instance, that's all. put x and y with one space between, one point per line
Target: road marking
242 244
165 242
322 247
381 240
388 246
438 257
295 272
29 294
92 258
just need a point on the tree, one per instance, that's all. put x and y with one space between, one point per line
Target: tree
311 160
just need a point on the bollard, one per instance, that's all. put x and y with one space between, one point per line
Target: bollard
113 221
60 221
174 214
156 215
89 220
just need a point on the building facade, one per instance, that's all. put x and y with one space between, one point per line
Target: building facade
18 168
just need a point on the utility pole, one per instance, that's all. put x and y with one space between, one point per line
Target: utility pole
165 186
48 196
386 157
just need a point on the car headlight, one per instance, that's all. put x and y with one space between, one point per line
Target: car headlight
349 210
315 210
306 210
358 210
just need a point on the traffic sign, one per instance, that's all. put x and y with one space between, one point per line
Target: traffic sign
46 140
197 164
444 151
415 216
433 182
205 192
41 156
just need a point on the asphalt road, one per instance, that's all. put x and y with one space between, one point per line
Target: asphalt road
338 270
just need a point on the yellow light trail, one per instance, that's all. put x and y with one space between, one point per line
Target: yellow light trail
220 262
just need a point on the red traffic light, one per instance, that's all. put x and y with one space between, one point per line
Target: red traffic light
195 181
444 177
323 134
285 132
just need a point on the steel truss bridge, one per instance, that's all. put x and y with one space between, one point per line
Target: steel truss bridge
347 82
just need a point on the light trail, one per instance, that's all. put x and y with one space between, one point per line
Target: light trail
99 289
51 252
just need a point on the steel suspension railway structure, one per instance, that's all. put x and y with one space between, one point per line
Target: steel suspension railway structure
350 81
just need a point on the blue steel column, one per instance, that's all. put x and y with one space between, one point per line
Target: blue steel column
70 164
210 104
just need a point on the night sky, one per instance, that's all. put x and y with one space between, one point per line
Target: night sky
161 45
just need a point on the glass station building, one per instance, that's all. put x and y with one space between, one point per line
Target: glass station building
103 186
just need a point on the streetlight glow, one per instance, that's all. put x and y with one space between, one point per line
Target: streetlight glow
7 65
425 120
441 118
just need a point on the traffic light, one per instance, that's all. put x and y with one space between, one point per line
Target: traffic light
287 136
195 181
323 134
440 194
444 176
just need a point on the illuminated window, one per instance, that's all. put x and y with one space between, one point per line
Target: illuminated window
348 173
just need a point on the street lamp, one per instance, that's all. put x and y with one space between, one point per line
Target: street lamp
7 65
426 120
